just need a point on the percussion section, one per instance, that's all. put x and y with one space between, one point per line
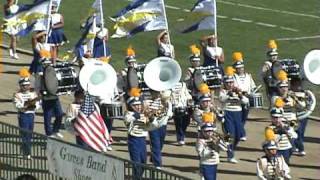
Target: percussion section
59 79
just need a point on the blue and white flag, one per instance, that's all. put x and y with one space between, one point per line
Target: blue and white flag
207 10
139 16
204 7
96 8
22 21
207 23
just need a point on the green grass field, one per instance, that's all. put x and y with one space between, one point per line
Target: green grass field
250 37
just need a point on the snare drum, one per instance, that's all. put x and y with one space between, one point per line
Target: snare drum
59 79
115 110
256 100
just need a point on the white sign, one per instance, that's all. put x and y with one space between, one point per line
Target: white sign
74 163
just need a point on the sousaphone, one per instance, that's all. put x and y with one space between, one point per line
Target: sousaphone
311 66
97 77
162 73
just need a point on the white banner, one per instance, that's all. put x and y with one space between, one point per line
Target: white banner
75 163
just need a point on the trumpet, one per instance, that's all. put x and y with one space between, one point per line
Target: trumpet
151 113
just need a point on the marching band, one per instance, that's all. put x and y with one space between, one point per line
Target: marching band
207 95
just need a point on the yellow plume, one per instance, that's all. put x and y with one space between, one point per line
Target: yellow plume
279 103
272 44
44 53
194 50
130 51
237 56
269 134
135 92
24 73
282 75
204 88
105 59
229 71
208 117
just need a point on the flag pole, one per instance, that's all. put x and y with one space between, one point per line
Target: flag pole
49 21
102 26
215 28
167 26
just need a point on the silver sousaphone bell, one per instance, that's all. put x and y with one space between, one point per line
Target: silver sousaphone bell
311 66
162 73
97 77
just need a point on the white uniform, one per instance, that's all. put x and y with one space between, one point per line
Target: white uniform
71 114
139 127
167 48
244 82
283 139
20 99
213 51
155 105
290 107
180 95
208 155
232 103
273 169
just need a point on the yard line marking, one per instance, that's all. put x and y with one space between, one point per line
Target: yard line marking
265 24
222 17
173 7
269 9
298 38
181 19
289 29
242 20
186 10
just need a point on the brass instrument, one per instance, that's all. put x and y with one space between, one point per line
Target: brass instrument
305 99
31 103
220 140
151 113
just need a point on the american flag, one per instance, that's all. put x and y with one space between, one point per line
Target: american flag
91 127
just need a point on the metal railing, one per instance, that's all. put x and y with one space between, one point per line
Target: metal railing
13 163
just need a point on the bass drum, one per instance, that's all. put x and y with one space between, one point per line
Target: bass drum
59 79
290 66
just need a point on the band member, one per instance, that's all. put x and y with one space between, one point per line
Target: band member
245 83
10 8
100 44
41 52
159 107
291 105
189 75
213 54
272 166
205 105
307 102
283 132
164 46
139 123
131 63
266 71
56 37
71 115
232 99
180 99
26 101
51 106
208 151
